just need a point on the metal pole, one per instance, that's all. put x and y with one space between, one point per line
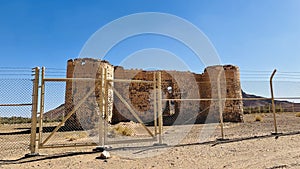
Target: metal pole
42 105
273 102
155 103
35 93
103 107
220 103
105 114
101 132
15 105
160 119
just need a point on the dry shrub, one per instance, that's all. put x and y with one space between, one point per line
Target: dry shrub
124 130
71 139
258 118
298 114
93 133
76 136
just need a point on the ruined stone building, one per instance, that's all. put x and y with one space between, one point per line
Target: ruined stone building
175 85
89 112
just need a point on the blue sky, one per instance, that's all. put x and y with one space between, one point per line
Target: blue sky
256 35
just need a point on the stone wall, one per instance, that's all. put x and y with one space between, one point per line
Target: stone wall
87 115
184 85
230 87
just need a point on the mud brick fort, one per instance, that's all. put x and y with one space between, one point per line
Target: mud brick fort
175 85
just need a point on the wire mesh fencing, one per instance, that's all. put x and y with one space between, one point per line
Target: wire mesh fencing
135 119
15 110
61 124
260 118
70 111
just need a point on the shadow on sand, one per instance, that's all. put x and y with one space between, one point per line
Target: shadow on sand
28 159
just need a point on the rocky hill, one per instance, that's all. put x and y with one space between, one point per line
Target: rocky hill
265 105
55 114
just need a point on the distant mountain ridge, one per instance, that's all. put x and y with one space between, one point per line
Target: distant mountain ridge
284 105
55 114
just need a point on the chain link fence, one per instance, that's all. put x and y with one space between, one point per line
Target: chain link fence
72 114
69 131
80 124
15 110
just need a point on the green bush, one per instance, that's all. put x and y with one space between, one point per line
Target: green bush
14 120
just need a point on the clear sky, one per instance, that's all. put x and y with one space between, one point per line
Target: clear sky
256 35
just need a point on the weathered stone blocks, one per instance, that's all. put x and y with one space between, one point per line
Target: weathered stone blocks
216 82
86 70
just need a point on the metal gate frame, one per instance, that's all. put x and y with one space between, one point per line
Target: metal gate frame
41 142
36 141
158 125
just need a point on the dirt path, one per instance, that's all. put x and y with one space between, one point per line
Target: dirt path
250 145
269 153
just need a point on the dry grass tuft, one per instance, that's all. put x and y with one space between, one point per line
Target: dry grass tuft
71 139
298 114
258 118
124 130
76 136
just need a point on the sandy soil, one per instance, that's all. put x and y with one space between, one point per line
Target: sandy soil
249 145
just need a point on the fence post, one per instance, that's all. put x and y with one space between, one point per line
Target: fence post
42 106
159 106
273 102
35 93
155 103
104 126
220 103
293 107
103 110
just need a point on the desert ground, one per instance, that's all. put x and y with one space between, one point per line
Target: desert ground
245 145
